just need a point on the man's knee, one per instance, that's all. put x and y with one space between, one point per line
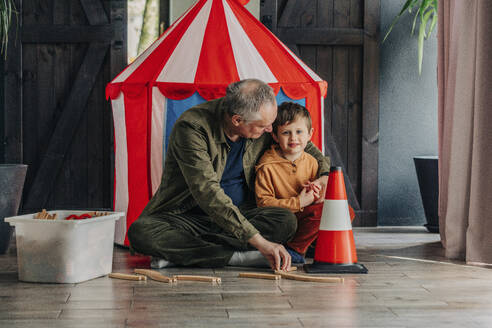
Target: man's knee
139 235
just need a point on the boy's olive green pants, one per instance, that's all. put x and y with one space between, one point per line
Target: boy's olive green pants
192 239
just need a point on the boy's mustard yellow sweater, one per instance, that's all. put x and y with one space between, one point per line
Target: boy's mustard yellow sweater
279 181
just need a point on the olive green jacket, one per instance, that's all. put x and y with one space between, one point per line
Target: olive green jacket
195 160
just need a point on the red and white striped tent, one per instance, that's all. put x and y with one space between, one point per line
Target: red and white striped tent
214 43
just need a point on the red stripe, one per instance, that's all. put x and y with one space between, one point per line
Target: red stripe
150 69
138 174
336 247
336 186
216 57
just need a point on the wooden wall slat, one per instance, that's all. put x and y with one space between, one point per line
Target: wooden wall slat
325 13
357 13
325 70
370 115
61 12
44 11
354 118
308 16
287 17
78 15
94 11
29 109
62 83
339 110
269 14
95 147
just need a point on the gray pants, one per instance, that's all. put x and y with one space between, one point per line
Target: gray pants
192 239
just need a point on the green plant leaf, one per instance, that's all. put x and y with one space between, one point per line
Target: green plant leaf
421 44
424 22
407 5
434 21
7 8
415 20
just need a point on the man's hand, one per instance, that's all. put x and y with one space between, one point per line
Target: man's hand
275 253
322 183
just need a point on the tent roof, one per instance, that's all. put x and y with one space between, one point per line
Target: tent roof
214 43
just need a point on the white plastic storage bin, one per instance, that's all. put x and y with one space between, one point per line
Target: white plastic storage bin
61 251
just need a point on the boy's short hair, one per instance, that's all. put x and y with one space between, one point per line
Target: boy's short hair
289 112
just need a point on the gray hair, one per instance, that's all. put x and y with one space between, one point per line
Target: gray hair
245 98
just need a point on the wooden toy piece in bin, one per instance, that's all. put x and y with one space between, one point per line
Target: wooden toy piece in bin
86 215
44 215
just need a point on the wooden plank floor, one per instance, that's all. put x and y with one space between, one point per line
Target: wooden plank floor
409 284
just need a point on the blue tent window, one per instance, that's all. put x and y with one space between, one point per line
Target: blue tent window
177 107
174 110
282 97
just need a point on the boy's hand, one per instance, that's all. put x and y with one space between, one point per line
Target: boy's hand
322 183
315 187
307 197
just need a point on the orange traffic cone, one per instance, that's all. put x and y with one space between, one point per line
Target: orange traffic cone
335 248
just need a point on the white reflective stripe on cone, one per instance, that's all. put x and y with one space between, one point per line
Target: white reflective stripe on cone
335 216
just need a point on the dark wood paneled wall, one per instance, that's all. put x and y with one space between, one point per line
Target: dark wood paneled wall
66 52
338 39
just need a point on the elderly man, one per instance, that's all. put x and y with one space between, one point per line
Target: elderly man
203 213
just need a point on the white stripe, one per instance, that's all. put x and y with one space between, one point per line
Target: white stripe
140 59
157 137
335 216
322 125
313 75
121 167
249 62
182 65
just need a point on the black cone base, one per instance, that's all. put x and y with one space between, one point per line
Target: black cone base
322 267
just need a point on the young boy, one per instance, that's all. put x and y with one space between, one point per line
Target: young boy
284 174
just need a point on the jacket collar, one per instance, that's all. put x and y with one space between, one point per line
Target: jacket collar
219 119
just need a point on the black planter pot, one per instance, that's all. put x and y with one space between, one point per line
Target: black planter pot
427 174
12 178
